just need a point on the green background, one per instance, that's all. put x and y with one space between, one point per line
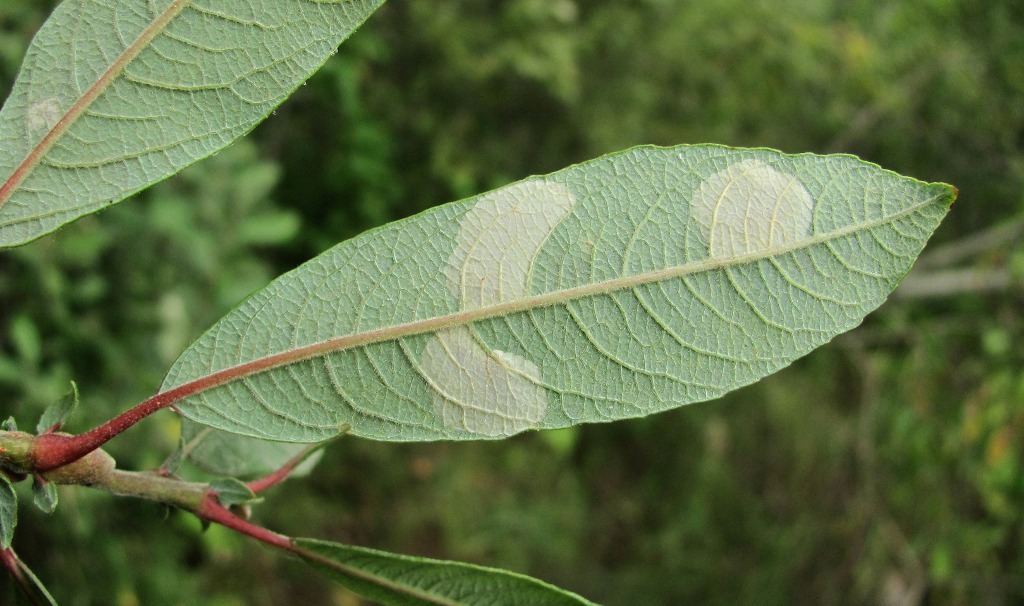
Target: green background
885 468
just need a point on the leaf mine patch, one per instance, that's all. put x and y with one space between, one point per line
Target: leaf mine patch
486 391
750 206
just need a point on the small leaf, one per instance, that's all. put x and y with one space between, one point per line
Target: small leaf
231 491
402 580
9 425
618 288
44 495
115 96
59 412
8 512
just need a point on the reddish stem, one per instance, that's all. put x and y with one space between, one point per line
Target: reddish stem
259 485
280 475
51 450
212 511
10 561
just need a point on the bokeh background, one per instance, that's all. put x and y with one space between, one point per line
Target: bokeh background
884 468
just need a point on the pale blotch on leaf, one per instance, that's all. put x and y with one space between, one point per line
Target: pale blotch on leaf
499 238
488 392
750 207
43 114
484 391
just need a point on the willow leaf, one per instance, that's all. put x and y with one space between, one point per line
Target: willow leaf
400 580
114 96
617 288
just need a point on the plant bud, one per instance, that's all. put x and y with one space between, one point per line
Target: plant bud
85 471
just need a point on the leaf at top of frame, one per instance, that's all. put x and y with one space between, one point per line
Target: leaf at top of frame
115 96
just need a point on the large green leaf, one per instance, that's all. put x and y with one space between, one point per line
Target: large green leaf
114 96
400 580
617 288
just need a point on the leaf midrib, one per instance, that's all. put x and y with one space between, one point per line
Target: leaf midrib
437 323
77 109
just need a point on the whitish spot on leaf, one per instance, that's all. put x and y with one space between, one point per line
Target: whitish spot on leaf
750 207
482 390
43 114
488 392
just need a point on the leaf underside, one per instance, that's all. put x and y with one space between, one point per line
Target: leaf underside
617 288
400 580
115 96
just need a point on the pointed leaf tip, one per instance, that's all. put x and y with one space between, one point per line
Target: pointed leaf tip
58 413
44 495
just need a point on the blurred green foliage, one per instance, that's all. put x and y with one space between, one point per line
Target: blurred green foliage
886 468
